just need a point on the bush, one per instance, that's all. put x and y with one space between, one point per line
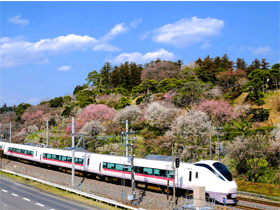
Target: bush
67 111
121 90
123 103
144 98
56 102
260 102
259 115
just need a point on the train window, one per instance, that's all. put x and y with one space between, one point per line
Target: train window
44 155
76 160
69 159
63 158
223 170
138 170
119 167
209 168
104 165
190 176
111 165
25 152
88 162
54 157
49 156
148 171
156 172
196 175
59 157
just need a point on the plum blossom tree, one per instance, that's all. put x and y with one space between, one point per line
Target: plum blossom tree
219 111
99 112
191 132
131 113
160 116
93 128
33 118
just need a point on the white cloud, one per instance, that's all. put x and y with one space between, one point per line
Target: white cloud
205 46
18 20
140 58
135 23
45 61
64 68
144 36
260 50
14 52
188 31
105 47
118 29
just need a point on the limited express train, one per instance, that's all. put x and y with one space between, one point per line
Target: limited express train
215 176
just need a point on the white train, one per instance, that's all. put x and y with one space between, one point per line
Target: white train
217 179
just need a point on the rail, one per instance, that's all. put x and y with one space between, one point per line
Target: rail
104 200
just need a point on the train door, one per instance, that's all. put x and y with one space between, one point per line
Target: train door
86 161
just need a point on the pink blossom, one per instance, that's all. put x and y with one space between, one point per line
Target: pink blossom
220 111
33 118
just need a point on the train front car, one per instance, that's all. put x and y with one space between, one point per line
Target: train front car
218 181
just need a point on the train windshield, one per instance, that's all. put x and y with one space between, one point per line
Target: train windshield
223 170
210 169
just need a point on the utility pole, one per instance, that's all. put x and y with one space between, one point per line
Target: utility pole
218 138
173 174
47 133
126 130
73 152
210 145
10 132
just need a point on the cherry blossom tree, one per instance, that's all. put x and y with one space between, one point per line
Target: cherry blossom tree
93 128
35 118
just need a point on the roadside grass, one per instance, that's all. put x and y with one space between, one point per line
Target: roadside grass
259 188
62 193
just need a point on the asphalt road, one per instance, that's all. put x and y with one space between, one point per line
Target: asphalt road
14 195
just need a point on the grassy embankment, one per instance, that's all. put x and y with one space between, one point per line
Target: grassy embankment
59 192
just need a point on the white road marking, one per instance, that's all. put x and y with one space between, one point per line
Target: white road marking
4 190
26 199
40 204
14 194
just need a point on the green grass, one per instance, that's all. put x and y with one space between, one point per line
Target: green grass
62 193
259 188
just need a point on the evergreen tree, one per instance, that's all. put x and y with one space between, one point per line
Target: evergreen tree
124 75
135 75
115 77
240 64
105 73
264 64
93 78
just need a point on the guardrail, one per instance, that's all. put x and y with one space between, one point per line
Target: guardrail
105 200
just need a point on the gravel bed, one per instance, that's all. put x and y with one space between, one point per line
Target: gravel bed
93 184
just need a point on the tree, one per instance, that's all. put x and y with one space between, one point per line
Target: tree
190 94
115 77
276 66
20 110
93 128
105 73
160 116
159 71
56 102
131 113
249 155
135 75
240 64
79 88
228 79
255 65
264 64
219 111
93 78
191 131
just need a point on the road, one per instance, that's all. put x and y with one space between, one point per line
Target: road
14 195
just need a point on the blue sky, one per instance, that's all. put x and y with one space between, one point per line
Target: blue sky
48 48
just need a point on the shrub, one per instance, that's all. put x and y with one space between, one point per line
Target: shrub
259 114
56 102
131 113
123 103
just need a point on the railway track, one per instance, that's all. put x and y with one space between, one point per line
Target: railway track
264 202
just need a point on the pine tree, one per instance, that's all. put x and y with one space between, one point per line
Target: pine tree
264 64
240 64
105 73
115 77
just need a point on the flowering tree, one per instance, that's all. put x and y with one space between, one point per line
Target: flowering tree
33 118
191 132
228 79
219 111
131 113
99 112
93 128
160 116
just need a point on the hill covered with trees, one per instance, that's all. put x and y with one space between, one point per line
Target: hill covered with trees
169 102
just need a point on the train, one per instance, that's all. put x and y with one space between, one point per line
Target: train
215 176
